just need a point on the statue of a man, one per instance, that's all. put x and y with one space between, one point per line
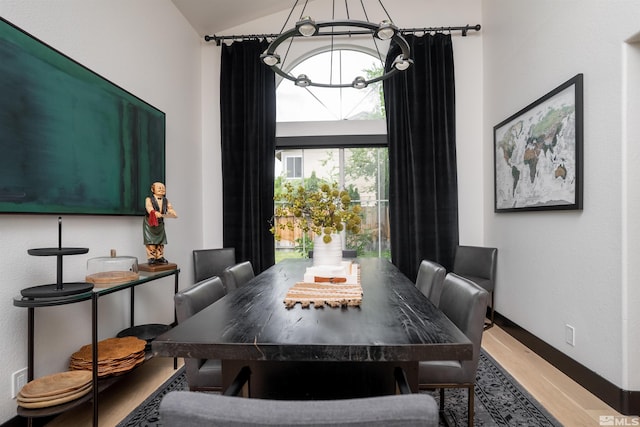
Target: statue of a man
158 208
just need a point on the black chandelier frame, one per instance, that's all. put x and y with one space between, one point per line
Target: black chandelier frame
359 82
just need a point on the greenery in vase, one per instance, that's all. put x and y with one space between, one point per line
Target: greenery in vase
324 211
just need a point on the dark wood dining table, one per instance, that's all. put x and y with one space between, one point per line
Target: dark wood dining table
298 353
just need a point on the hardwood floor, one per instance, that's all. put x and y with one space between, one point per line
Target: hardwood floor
566 400
571 404
119 400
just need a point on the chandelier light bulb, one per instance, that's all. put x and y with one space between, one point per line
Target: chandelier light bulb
306 26
386 30
359 82
401 63
303 81
270 59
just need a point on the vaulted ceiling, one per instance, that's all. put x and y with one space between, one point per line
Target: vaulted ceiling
214 16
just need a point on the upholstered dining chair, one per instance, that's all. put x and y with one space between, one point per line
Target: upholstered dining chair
346 253
183 408
236 276
211 262
478 264
202 374
465 304
430 280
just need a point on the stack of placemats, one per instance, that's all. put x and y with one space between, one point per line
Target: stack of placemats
55 389
115 356
319 294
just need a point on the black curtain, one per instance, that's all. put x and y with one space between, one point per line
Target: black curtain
248 131
423 189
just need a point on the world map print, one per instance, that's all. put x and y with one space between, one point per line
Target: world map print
535 158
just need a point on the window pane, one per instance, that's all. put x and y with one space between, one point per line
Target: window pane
294 167
363 173
366 175
325 104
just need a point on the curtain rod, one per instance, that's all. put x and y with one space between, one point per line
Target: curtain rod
464 29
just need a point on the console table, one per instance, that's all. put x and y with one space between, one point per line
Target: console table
94 295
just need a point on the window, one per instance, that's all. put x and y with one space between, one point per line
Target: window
293 167
363 173
322 104
357 162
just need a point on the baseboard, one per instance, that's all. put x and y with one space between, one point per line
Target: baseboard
626 402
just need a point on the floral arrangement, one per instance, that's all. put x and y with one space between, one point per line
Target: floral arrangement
324 211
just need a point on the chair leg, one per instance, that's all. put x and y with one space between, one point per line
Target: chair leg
470 409
442 399
491 315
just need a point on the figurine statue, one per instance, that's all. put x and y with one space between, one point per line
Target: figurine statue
158 208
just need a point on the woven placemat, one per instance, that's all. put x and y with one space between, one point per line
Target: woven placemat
115 356
56 384
321 294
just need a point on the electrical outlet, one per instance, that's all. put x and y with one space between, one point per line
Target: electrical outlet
18 380
570 335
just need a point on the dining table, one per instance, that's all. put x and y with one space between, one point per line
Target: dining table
319 351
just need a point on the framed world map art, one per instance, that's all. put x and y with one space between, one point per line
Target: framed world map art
538 153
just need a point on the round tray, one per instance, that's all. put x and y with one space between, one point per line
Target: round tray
52 291
57 251
109 278
56 384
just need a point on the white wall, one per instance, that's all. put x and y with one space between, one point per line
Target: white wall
148 48
557 268
631 228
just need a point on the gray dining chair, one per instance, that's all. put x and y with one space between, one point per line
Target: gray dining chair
202 374
465 304
478 264
211 262
346 253
236 276
187 409
430 280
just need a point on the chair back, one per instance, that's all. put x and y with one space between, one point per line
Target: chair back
430 280
465 304
237 275
188 302
346 253
211 262
183 408
349 253
477 264
196 297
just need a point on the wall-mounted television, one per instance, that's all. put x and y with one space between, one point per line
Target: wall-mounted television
70 140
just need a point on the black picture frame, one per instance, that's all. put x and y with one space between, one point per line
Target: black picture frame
71 141
538 161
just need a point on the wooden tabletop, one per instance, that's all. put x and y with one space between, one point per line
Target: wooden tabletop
395 322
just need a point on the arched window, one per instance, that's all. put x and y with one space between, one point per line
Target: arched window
355 157
321 104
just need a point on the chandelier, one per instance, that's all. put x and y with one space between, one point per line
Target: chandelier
353 29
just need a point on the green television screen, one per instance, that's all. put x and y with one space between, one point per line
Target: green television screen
70 140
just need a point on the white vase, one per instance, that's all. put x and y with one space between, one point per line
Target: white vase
327 253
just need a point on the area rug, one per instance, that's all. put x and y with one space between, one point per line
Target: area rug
499 401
